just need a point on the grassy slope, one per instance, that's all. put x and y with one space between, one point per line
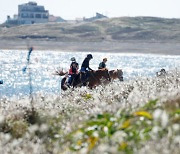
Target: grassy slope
124 28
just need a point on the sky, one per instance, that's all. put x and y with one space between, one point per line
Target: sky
71 9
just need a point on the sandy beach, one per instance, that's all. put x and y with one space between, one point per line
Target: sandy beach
147 47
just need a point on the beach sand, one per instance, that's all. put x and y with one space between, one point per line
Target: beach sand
147 47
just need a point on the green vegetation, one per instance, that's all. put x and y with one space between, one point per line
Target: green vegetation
127 130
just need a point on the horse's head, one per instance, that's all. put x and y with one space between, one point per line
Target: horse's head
116 74
120 74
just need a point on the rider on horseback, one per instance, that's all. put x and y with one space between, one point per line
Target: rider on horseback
102 65
73 71
85 68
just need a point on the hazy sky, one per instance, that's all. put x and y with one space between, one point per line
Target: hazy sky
70 9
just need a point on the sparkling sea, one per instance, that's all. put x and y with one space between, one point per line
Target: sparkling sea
44 63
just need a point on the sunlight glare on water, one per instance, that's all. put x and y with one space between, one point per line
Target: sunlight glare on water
44 63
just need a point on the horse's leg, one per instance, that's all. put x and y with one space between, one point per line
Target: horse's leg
73 77
69 80
90 85
63 82
83 78
75 80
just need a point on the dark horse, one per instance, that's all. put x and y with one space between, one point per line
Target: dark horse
94 79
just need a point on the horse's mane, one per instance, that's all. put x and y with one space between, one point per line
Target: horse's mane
101 70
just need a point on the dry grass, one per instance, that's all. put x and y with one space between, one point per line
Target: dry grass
124 28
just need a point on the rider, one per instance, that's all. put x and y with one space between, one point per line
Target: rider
73 71
102 65
162 73
85 67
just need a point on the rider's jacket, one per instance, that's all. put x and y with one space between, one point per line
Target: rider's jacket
73 68
102 65
85 65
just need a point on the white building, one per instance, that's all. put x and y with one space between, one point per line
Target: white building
30 13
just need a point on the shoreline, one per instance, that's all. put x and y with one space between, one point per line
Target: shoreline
142 47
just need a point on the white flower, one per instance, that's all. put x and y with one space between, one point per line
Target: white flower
92 128
119 136
106 129
176 127
156 114
43 128
57 136
1 119
7 137
162 116
177 139
103 147
156 129
95 134
33 128
164 119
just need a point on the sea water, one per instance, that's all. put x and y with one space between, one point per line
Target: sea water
43 64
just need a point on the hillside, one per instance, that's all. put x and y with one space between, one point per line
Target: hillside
123 29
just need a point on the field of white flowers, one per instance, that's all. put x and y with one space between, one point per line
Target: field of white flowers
136 116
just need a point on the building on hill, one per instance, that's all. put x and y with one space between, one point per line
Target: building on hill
53 18
83 19
98 16
79 19
30 13
12 21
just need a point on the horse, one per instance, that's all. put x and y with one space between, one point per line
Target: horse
98 77
116 74
94 79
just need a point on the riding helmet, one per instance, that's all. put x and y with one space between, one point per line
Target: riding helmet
89 56
73 59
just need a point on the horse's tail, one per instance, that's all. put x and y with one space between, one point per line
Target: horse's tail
63 85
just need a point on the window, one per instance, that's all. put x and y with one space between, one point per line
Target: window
45 16
24 15
31 15
38 15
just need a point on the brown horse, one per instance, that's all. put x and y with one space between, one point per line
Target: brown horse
94 79
98 77
116 74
